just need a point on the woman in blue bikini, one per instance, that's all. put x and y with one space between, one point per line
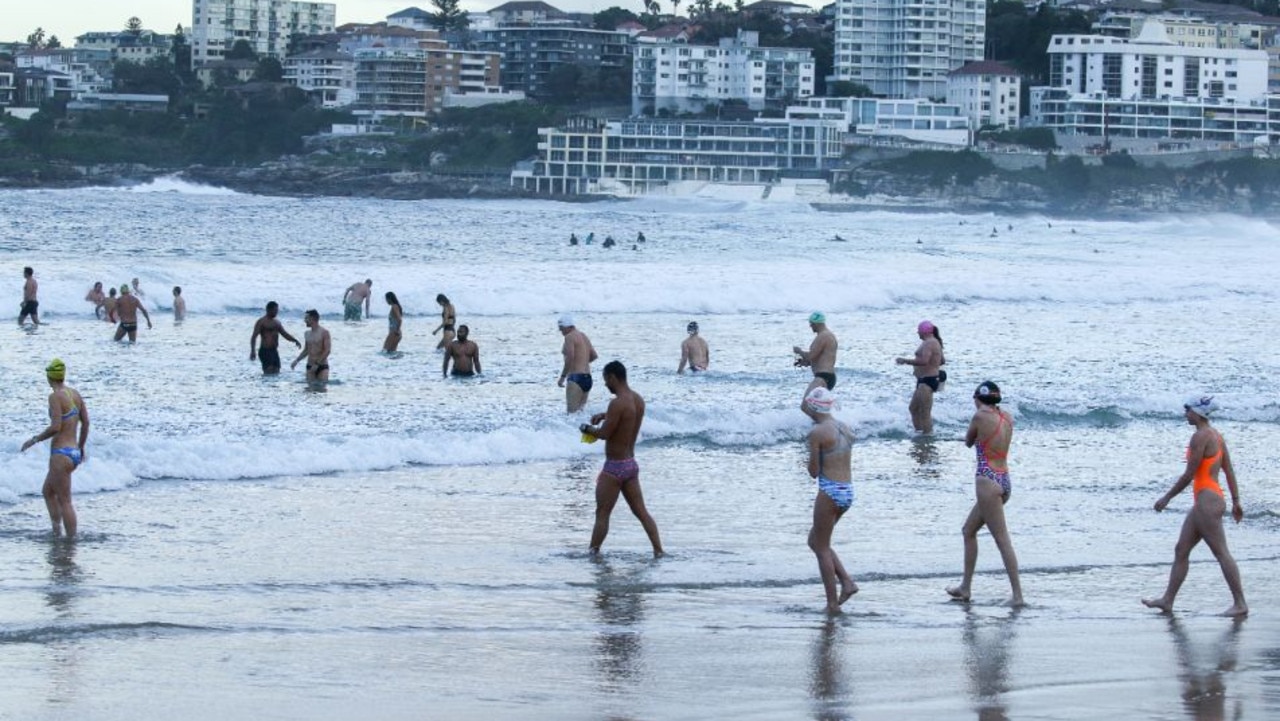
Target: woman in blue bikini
69 429
830 448
989 434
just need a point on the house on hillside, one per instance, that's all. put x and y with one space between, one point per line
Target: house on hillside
524 12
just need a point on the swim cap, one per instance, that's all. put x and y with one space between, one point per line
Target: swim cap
925 327
820 400
817 317
588 438
124 288
693 326
988 393
1202 406
56 370
566 321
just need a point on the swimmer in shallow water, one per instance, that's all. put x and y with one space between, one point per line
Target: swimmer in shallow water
69 429
830 450
693 351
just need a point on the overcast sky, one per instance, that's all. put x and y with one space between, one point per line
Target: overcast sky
69 18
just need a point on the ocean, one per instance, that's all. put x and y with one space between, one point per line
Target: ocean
405 546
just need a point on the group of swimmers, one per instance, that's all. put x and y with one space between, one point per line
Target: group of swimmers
609 242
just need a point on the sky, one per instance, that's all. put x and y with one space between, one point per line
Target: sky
69 18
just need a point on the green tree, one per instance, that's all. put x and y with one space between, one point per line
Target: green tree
36 39
269 70
52 43
448 16
702 8
133 26
241 50
847 89
156 76
180 54
610 18
564 84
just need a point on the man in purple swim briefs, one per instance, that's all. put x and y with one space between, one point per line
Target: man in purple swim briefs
619 426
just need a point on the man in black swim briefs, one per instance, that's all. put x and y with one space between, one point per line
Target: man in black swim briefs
270 329
578 356
317 345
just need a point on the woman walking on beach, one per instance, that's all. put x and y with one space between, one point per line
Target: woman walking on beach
395 317
69 429
1206 455
990 432
447 321
830 451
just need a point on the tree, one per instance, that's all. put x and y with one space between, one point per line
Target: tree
52 43
848 89
702 8
242 50
269 70
36 39
675 8
564 84
448 16
610 18
154 77
133 26
180 54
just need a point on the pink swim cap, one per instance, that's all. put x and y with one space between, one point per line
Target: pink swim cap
925 327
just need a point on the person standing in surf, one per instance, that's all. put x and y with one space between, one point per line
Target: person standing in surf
619 426
693 351
575 376
356 294
127 308
448 317
990 433
395 318
179 305
821 356
1207 454
30 304
927 368
464 354
270 329
317 345
69 429
830 463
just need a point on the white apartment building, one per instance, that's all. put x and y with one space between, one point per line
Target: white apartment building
1190 30
8 88
988 93
915 120
77 65
328 76
266 25
1151 66
905 48
675 76
124 45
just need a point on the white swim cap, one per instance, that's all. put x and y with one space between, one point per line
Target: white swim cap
566 321
1203 406
820 400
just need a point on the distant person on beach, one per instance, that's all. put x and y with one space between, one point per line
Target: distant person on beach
1207 454
448 317
137 291
30 304
694 351
127 308
269 328
821 356
830 452
97 297
618 426
640 237
69 429
351 300
990 432
573 239
316 350
578 357
109 306
927 368
395 318
465 355
179 305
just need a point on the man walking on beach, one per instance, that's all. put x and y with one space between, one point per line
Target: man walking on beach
694 351
926 367
465 355
619 426
316 351
352 298
821 356
127 309
30 305
578 356
270 329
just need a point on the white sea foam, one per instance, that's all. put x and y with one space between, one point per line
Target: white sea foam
174 184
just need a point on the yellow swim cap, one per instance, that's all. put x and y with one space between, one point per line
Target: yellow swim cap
56 370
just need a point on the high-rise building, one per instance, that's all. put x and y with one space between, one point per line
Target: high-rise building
906 48
266 25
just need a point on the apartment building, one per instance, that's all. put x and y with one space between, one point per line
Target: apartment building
988 93
531 53
417 82
124 45
674 76
266 25
906 48
327 76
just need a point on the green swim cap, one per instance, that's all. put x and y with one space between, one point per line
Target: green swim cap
124 288
817 317
56 370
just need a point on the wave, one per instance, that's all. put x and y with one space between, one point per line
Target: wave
175 184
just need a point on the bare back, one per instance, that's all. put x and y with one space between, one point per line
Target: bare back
992 428
66 408
578 352
624 416
127 308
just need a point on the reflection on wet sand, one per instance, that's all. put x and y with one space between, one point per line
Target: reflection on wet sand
986 643
831 699
924 451
619 651
64 581
1204 691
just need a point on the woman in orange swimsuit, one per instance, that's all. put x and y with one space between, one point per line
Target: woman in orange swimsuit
989 434
1206 455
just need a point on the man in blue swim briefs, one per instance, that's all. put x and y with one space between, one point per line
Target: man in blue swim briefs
830 450
578 356
619 426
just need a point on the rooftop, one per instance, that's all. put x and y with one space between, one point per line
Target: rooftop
984 67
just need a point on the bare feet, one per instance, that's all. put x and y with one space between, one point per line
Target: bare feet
1017 602
957 593
1237 611
1158 603
834 610
847 591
